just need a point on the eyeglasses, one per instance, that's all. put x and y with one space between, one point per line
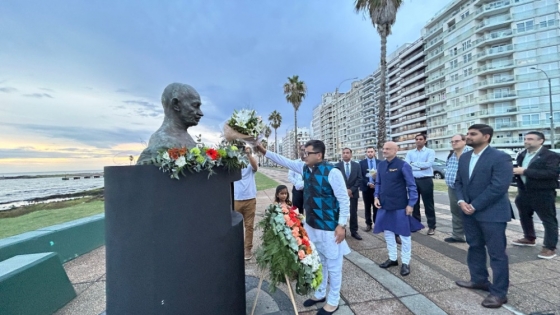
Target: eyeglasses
455 141
307 153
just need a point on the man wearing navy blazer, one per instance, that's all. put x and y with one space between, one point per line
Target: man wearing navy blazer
481 186
352 178
368 186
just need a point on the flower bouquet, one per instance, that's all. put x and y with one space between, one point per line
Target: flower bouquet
371 173
244 125
177 160
287 252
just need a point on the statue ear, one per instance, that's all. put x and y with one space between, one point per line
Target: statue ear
175 104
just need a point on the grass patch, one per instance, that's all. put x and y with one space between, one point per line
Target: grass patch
264 182
50 214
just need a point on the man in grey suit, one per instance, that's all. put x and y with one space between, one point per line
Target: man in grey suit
352 178
481 187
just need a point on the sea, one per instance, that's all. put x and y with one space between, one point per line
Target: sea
16 192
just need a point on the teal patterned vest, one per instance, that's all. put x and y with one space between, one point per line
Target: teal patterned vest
320 204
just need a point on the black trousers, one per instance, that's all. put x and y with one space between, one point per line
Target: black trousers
370 209
487 237
425 188
353 215
297 199
542 203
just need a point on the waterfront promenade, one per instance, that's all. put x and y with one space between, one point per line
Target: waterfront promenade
368 289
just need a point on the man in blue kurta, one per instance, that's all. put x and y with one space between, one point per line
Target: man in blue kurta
395 196
327 209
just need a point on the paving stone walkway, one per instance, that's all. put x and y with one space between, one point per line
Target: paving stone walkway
368 289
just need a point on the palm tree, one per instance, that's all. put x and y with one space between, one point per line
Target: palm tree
275 121
295 91
267 132
383 14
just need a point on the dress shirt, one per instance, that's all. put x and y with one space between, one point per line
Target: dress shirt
245 188
371 166
452 168
420 159
296 179
336 180
526 161
474 160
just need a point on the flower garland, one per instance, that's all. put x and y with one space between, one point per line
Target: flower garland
287 250
177 160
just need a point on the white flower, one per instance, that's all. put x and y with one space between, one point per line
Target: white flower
165 156
181 161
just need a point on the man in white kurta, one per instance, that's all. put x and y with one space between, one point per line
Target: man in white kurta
329 238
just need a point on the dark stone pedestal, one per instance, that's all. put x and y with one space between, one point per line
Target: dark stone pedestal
173 246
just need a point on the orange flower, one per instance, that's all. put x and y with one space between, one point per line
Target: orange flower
183 151
173 153
308 250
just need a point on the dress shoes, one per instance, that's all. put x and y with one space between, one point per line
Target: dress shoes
322 311
368 228
453 240
398 240
474 286
356 236
311 302
389 263
405 270
492 301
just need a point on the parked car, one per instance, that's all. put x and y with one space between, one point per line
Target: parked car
439 169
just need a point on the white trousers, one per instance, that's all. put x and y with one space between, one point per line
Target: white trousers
406 246
332 274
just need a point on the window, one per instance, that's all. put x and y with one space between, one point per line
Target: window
466 44
502 122
467 71
525 26
453 51
455 77
454 102
464 15
499 93
453 64
530 119
556 117
467 57
469 98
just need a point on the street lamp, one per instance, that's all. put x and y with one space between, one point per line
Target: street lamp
552 143
336 101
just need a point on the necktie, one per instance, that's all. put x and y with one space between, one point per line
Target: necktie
347 170
370 167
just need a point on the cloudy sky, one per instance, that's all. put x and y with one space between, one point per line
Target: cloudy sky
80 81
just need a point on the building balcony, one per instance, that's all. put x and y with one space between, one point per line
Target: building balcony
434 101
538 59
402 121
492 8
489 68
435 76
435 30
538 27
493 23
434 41
494 97
440 146
438 52
535 12
507 141
493 38
495 52
413 88
538 43
412 69
436 87
497 82
409 60
543 123
435 65
413 128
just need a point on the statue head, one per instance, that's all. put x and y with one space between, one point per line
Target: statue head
181 103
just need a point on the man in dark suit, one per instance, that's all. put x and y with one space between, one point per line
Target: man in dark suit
537 180
352 178
481 187
368 186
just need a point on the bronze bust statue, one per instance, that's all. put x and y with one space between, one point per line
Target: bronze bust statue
181 106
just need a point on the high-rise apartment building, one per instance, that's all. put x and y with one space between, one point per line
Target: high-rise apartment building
316 123
407 97
288 141
340 121
486 63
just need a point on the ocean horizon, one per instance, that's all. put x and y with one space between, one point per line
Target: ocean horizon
49 173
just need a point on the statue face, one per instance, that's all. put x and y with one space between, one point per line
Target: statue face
187 109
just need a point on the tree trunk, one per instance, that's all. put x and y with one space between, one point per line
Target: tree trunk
275 141
381 124
295 135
